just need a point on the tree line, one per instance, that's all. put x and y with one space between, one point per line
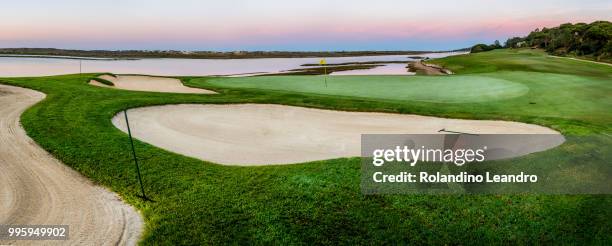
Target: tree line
580 39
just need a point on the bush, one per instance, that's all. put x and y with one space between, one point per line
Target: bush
482 47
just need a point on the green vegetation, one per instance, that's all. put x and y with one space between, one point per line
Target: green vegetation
103 81
593 40
197 202
479 78
460 89
483 47
109 74
521 60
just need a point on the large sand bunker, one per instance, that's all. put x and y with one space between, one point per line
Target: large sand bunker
257 134
37 189
149 83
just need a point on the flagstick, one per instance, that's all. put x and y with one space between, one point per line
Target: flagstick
325 74
144 196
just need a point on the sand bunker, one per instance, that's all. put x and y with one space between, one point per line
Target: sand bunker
37 189
149 83
257 134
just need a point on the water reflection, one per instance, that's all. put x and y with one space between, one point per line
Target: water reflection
30 66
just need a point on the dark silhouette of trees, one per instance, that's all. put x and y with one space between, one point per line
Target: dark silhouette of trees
578 39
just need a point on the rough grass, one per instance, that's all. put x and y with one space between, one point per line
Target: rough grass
197 202
521 60
103 81
109 74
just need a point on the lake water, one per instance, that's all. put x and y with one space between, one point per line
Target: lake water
34 66
387 69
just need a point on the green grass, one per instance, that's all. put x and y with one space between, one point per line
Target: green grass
109 74
460 89
489 76
521 60
198 202
103 81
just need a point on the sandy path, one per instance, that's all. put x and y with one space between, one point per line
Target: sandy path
149 83
582 60
36 188
255 134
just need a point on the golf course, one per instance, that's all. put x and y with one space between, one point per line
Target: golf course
195 201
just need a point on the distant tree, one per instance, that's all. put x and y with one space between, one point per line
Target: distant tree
513 42
497 44
606 51
483 47
478 48
576 39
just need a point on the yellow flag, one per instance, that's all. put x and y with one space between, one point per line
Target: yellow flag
322 62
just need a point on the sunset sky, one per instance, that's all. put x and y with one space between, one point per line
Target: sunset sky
282 25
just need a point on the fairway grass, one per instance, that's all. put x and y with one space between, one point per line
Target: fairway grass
482 77
528 60
320 202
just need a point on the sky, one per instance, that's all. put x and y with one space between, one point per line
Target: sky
304 25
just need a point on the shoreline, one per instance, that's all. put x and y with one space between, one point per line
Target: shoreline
421 68
143 54
66 57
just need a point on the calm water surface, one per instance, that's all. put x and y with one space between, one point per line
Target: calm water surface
32 66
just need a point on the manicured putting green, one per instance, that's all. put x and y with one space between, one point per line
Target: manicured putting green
442 89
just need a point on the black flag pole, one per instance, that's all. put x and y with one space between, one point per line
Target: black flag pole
444 130
144 196
325 74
